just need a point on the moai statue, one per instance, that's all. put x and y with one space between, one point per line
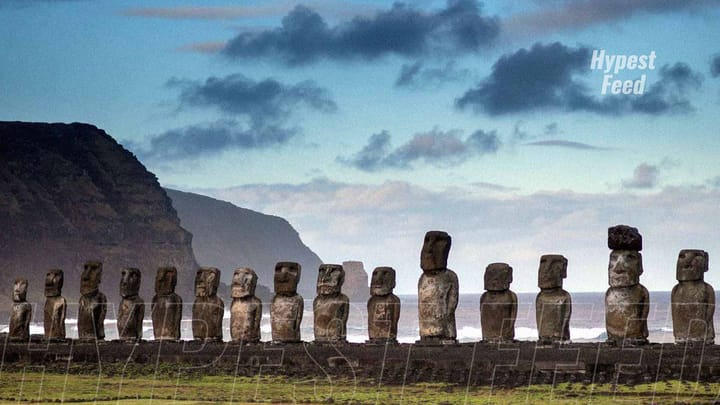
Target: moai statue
553 305
383 307
331 307
437 291
498 305
21 314
132 307
286 309
627 302
166 306
208 309
246 308
93 304
55 306
693 300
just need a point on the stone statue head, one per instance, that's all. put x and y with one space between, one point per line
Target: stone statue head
383 281
207 280
625 268
435 251
20 290
91 277
53 283
129 282
286 278
691 264
330 279
498 277
165 280
552 271
244 282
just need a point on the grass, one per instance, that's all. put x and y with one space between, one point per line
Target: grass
34 386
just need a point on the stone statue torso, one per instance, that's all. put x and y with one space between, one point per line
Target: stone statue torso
626 310
166 316
20 321
286 314
245 317
91 316
498 310
207 318
693 308
331 315
437 300
54 317
552 311
383 316
130 318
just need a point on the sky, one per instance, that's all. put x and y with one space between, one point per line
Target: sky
367 123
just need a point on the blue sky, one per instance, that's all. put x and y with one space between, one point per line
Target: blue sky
366 123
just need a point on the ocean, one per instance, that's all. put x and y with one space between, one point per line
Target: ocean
587 323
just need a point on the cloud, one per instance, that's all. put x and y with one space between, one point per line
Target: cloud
545 77
415 75
211 47
384 225
579 14
255 116
714 182
715 66
208 139
305 37
434 147
273 9
567 144
645 176
261 101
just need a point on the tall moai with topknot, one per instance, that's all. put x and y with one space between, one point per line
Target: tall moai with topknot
437 291
498 304
553 305
692 299
55 306
93 303
627 302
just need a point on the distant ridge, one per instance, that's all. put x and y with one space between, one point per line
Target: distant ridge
227 236
70 193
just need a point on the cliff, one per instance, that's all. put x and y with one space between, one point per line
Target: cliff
227 237
356 286
70 193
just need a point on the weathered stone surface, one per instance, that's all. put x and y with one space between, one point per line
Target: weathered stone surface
437 291
21 314
131 311
498 305
623 237
55 306
553 305
208 308
166 305
246 308
693 300
627 302
286 309
70 192
383 307
93 303
331 307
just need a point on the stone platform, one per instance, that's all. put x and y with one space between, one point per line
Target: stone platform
514 364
